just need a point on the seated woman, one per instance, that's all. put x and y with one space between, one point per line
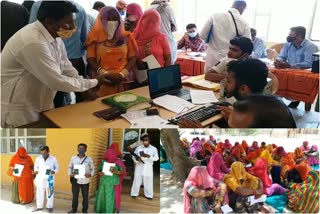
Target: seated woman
313 156
202 192
150 39
110 50
266 154
216 166
22 187
299 156
304 197
260 170
241 185
109 190
279 155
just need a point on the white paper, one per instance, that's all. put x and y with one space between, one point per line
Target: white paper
81 169
252 200
20 168
206 83
151 122
202 97
249 165
43 171
106 168
134 115
231 100
152 62
194 54
210 212
173 103
226 209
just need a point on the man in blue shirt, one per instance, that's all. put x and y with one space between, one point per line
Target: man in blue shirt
74 45
259 46
296 53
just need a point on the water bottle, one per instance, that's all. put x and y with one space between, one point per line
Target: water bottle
222 88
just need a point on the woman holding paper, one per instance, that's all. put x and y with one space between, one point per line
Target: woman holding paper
150 39
112 171
21 170
110 50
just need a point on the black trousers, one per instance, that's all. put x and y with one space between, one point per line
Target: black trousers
75 195
63 98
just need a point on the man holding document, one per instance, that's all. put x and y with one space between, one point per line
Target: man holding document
81 168
143 172
45 167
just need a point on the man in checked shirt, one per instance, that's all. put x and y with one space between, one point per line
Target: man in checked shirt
80 183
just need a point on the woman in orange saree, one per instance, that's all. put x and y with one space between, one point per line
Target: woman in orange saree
111 51
22 187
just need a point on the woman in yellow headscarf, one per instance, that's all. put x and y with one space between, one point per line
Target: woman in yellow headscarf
267 154
111 50
241 185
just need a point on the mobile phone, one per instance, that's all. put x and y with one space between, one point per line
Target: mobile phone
151 112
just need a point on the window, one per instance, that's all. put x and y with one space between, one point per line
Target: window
31 139
315 33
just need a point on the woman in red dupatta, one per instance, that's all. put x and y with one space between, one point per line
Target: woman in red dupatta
24 192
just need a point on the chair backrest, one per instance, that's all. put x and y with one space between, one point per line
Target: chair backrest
273 85
277 47
272 54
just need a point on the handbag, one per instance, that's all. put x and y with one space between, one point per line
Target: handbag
73 179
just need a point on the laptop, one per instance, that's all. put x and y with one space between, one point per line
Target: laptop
167 80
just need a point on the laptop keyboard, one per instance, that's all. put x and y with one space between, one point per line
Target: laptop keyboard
200 114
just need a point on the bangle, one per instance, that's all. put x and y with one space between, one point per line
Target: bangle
124 73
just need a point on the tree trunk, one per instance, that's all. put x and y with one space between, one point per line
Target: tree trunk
181 164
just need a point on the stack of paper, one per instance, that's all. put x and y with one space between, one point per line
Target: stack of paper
173 103
106 168
202 97
151 122
226 209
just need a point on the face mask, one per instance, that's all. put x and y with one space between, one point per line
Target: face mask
81 152
45 156
291 39
194 34
112 27
122 12
65 34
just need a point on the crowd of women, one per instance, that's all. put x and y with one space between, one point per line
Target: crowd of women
228 174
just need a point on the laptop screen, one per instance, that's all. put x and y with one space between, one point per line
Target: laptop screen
164 80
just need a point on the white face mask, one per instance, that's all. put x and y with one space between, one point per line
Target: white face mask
194 34
111 28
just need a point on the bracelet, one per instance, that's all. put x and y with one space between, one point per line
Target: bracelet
124 73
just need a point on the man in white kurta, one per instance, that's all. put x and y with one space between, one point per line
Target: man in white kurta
168 24
34 66
144 171
45 165
222 31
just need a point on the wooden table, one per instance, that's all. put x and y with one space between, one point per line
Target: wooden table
190 66
81 115
297 84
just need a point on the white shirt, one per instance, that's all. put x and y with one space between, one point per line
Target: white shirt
89 167
223 31
34 67
221 67
146 168
41 166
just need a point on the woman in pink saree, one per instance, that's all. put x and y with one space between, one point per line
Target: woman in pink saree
202 192
216 166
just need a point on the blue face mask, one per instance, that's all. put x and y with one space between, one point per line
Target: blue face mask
122 12
81 152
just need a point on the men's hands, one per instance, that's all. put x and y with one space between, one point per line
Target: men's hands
87 175
185 123
225 111
90 94
281 64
